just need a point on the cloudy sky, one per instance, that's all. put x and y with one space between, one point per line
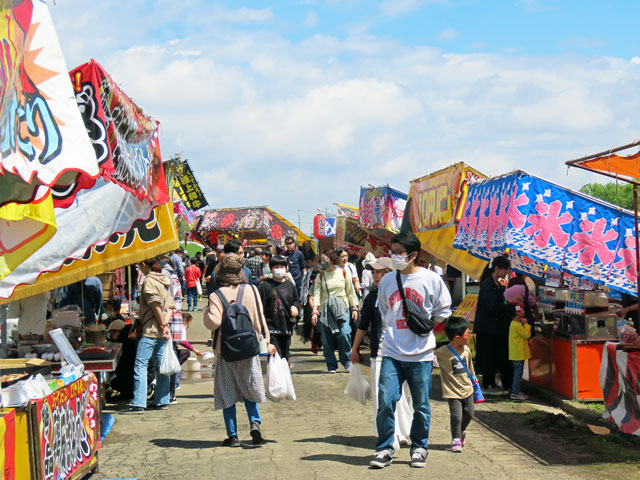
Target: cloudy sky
297 104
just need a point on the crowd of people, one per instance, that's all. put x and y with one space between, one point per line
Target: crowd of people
256 301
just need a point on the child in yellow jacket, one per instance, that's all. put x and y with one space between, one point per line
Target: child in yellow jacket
519 334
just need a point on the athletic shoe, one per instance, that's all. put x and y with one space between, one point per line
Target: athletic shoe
256 435
173 401
519 396
381 459
131 410
494 391
158 407
418 460
231 442
456 445
332 371
464 438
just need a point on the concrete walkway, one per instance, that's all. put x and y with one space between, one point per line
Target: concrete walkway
322 435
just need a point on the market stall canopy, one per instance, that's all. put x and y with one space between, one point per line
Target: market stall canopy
251 223
608 163
357 240
541 224
44 142
435 204
382 208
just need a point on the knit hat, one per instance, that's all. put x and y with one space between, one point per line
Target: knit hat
229 270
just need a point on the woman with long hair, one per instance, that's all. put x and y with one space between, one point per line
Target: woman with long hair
335 304
492 328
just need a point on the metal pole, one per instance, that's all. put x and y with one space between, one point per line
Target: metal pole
129 288
601 154
635 214
3 336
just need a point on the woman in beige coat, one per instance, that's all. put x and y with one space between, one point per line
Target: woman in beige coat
240 380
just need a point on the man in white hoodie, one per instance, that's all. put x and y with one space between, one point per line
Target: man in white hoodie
405 354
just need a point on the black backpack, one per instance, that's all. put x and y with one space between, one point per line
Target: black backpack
237 335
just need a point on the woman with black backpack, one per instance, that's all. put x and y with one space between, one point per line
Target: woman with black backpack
235 316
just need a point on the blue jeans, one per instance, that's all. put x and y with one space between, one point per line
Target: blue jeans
341 340
518 370
149 348
392 374
192 297
230 417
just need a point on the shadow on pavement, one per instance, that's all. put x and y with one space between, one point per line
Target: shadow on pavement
307 372
203 395
345 459
368 442
188 444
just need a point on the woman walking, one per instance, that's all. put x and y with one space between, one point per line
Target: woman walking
333 298
236 380
154 315
491 327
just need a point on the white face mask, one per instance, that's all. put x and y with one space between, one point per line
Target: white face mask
279 273
399 262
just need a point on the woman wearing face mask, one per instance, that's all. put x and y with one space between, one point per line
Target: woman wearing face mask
491 327
281 304
334 282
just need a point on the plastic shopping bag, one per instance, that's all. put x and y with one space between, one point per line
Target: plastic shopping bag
357 386
169 364
291 393
276 379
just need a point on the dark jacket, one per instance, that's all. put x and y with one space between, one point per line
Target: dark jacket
491 310
277 305
370 317
123 380
296 266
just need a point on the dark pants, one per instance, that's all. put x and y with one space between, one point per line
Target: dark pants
282 342
461 412
492 355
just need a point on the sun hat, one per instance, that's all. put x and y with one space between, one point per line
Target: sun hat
229 270
116 325
381 264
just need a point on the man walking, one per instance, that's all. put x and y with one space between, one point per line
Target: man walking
405 354
178 266
297 265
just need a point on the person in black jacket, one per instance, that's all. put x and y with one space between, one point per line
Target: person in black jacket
491 327
123 381
281 305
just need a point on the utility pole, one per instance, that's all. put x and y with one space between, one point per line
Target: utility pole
299 227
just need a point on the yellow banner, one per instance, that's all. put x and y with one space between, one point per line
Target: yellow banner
147 238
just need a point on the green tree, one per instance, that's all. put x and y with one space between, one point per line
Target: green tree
620 194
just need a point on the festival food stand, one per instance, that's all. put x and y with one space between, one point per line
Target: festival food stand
546 229
254 224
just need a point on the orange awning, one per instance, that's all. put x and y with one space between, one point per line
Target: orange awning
627 168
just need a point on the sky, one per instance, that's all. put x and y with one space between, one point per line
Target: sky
298 104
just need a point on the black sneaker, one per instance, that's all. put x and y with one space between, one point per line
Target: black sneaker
231 442
381 459
131 410
418 459
158 407
256 435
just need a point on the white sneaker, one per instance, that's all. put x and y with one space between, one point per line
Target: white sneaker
418 460
519 396
381 459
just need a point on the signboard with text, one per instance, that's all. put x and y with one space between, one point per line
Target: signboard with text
188 188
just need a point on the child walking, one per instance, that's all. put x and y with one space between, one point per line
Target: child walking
519 334
456 383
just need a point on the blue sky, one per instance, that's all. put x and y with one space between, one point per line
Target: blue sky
297 104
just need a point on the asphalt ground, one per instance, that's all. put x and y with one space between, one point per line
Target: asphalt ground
327 435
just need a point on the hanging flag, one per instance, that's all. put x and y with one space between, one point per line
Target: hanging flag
382 208
188 188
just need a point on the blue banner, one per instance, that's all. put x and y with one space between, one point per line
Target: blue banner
544 225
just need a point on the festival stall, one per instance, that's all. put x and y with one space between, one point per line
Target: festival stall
575 243
108 156
258 225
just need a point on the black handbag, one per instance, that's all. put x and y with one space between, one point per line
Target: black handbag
417 320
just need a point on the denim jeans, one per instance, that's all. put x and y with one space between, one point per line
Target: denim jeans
418 376
518 370
192 297
149 348
341 340
230 417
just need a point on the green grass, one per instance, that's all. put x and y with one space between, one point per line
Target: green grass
595 407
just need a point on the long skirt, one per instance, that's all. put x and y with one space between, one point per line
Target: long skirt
238 381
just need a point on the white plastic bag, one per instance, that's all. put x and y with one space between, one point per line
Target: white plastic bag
291 392
357 386
277 387
169 364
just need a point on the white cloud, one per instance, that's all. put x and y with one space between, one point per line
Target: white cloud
448 34
264 120
311 20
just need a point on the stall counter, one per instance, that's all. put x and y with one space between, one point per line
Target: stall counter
567 366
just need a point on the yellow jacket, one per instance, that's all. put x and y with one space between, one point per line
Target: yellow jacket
519 335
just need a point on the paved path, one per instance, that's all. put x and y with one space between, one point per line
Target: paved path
323 435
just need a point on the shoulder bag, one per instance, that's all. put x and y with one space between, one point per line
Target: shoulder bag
417 320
